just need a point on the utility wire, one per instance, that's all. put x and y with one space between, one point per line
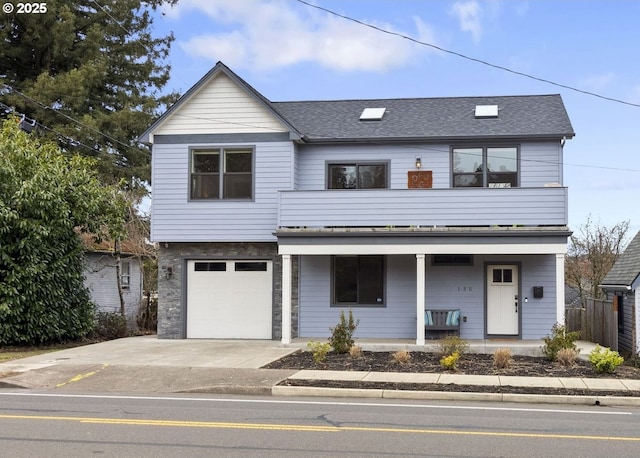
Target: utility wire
417 148
71 141
472 59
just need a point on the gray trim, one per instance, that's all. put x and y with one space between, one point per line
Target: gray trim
481 144
446 232
486 298
329 163
221 138
335 304
222 149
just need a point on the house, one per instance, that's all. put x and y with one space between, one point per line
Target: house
272 217
622 286
101 269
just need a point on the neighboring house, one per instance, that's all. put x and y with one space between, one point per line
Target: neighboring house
101 279
622 285
272 217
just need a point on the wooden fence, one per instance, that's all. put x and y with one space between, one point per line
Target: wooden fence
596 320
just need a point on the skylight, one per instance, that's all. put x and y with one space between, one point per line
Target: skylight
486 111
372 114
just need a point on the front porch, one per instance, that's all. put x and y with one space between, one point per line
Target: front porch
532 257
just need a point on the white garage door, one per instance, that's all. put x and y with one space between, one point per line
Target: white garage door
229 299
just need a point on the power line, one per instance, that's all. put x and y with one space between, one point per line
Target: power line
71 141
416 147
42 105
473 59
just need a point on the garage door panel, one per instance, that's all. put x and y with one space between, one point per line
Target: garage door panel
229 299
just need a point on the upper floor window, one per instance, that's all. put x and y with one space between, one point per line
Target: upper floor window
488 167
357 176
222 173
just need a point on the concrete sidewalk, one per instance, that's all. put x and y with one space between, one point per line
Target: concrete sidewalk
147 364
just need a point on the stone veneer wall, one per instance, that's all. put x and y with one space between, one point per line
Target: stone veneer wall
174 255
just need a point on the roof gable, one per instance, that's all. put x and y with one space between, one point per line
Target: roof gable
626 270
221 102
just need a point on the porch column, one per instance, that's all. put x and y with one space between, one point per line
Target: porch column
420 293
560 288
637 320
286 299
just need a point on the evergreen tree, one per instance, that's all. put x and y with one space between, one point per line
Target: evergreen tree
95 62
46 197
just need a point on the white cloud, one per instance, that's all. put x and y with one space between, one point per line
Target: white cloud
267 34
469 14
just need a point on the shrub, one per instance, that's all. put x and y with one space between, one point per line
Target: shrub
319 350
604 360
450 362
355 352
634 361
560 338
567 356
401 357
502 358
110 325
342 335
453 344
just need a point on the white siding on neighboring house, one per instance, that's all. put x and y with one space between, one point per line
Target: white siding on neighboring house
100 279
177 219
220 106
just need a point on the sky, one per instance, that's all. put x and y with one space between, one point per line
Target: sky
288 50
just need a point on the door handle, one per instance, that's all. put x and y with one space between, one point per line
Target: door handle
516 304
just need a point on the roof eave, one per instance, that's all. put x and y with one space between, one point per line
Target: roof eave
432 139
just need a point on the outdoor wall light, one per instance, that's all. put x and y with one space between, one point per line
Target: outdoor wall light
168 271
418 162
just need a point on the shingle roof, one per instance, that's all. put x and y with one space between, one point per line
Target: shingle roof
542 116
626 270
430 119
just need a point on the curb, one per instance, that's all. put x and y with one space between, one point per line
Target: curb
619 401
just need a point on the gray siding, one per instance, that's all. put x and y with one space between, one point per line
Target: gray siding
446 287
175 218
540 164
396 320
626 339
313 162
424 207
100 279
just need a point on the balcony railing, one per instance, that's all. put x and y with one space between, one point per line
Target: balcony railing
424 207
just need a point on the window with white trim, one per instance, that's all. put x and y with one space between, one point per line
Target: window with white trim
125 274
222 173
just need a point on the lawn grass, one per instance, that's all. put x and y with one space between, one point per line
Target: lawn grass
9 354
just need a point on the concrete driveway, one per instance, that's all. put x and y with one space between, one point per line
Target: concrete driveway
151 364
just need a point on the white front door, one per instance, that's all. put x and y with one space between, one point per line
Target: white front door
503 306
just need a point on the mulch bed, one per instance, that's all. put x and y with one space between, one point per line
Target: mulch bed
475 364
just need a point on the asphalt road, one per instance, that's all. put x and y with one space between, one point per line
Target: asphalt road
68 425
